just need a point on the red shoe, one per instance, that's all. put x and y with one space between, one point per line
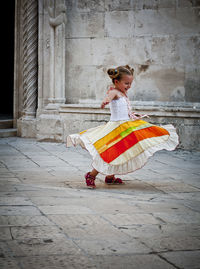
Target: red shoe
90 181
113 180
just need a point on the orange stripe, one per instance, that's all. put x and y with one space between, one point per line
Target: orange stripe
152 131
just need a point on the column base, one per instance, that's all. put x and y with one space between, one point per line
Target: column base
49 126
56 100
54 103
26 127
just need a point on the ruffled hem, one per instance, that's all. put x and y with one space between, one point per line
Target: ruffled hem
130 166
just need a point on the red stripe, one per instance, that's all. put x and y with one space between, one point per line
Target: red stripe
120 147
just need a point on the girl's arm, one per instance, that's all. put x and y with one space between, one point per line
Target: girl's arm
110 96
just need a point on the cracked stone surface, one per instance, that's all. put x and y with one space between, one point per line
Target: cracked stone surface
49 219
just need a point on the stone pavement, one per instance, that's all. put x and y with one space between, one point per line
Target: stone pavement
49 219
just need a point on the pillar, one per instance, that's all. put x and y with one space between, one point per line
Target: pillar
57 21
30 57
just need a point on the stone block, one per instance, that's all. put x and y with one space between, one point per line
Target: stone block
117 21
76 261
159 84
187 217
42 232
193 196
19 210
128 51
65 209
162 206
172 243
10 263
15 201
163 50
82 25
113 5
74 91
109 247
184 229
90 5
9 187
44 247
49 128
97 232
135 261
189 136
166 21
24 221
77 220
5 233
183 259
6 175
192 84
188 55
186 3
131 219
169 187
9 179
26 127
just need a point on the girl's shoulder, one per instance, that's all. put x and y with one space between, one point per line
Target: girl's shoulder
115 92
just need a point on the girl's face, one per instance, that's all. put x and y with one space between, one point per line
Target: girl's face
124 84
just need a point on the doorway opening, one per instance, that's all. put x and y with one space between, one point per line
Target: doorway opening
7 60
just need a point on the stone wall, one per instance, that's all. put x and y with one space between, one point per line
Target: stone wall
78 40
160 39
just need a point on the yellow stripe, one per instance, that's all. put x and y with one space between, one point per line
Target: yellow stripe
124 126
139 148
105 147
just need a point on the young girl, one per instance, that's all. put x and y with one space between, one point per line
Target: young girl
126 142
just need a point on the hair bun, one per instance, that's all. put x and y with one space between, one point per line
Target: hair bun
129 68
113 72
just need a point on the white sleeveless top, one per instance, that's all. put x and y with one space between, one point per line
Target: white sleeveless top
119 109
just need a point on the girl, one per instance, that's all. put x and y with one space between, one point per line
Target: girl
126 142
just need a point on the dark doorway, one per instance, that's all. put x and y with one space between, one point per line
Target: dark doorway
7 68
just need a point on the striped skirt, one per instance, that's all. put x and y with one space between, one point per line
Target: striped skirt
121 147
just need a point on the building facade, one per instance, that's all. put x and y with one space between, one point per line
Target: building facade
62 49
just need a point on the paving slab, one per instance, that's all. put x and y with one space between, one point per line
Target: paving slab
43 247
133 261
21 221
184 259
57 262
110 246
19 210
172 243
10 263
49 219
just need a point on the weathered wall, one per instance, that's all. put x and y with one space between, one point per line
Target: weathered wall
160 39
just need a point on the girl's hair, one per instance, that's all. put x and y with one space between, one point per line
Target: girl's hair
118 72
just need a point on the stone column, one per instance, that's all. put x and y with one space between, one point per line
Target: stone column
30 57
26 125
57 21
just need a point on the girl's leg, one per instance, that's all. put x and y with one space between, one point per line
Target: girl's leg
110 176
90 178
94 173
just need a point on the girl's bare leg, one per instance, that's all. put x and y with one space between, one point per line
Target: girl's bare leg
94 173
110 176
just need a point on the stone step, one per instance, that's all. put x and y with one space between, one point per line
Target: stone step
8 132
4 124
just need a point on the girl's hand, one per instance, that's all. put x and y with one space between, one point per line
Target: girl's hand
104 104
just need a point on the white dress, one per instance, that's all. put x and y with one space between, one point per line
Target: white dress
123 145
